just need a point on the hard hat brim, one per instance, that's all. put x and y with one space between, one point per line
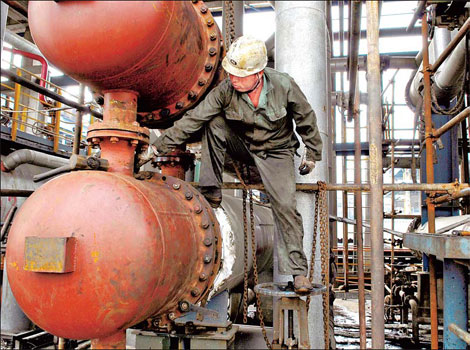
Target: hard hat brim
231 69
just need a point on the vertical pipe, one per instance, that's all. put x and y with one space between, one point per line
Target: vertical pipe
358 214
429 178
92 119
77 137
57 127
304 58
374 111
455 301
3 21
16 108
392 128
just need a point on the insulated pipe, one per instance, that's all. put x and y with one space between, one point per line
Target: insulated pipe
20 43
304 58
24 156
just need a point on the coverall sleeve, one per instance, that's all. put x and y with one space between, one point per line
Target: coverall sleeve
305 121
193 120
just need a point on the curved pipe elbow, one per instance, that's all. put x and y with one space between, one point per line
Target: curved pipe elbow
26 156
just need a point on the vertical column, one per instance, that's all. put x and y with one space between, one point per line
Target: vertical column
304 58
3 21
374 111
455 302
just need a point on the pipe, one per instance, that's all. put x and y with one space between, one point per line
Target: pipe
384 33
417 14
459 332
365 224
452 45
456 195
430 179
44 67
78 122
451 123
21 43
8 219
358 215
374 112
3 21
353 51
304 58
11 192
26 156
35 87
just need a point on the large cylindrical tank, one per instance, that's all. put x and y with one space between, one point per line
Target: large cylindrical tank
91 253
167 51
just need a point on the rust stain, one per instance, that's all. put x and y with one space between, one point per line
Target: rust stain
374 172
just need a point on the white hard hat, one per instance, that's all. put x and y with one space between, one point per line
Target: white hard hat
246 56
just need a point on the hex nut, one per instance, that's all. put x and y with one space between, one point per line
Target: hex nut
210 22
213 36
195 292
203 277
208 67
204 9
176 186
198 209
188 195
179 105
184 306
205 225
207 241
113 139
207 259
212 51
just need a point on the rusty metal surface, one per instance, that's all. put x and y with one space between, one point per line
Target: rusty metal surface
49 254
285 290
442 246
167 51
141 248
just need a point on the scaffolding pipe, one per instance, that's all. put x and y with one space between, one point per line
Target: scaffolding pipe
459 332
11 192
36 87
451 123
374 111
353 53
452 45
78 122
430 178
358 215
417 14
456 195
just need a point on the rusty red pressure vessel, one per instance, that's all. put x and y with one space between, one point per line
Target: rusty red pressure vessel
167 51
92 253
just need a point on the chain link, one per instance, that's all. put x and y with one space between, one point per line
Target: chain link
314 246
325 260
229 23
245 267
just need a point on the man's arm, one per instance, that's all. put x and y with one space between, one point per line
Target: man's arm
193 120
305 121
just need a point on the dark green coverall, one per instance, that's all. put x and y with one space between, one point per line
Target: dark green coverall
264 136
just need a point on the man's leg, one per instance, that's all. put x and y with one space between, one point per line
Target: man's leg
217 140
277 173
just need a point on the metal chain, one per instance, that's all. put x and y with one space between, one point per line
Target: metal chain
245 261
314 246
229 24
325 255
255 264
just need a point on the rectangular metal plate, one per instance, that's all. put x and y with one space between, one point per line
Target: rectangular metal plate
442 246
49 254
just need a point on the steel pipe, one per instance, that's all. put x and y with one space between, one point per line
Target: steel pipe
436 187
452 45
38 88
456 195
417 14
451 123
9 192
374 113
26 156
353 51
459 332
77 136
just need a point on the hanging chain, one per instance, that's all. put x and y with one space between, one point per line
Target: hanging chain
229 23
253 253
245 261
325 260
314 246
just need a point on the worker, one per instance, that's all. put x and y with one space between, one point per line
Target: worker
250 116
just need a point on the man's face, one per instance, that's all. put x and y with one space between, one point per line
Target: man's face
246 83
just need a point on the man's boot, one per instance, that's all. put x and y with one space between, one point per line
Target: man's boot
302 284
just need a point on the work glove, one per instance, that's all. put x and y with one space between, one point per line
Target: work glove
307 164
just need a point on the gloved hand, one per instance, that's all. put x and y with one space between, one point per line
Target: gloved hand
147 155
307 164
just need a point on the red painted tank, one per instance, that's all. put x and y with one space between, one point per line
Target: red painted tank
167 51
91 253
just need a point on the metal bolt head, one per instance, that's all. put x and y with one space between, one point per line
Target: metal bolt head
195 1
195 292
204 9
171 316
184 305
210 22
213 36
208 67
95 140
164 113
179 105
134 142
205 225
207 241
212 51
202 82
192 95
203 277
176 186
113 139
188 196
207 259
198 209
